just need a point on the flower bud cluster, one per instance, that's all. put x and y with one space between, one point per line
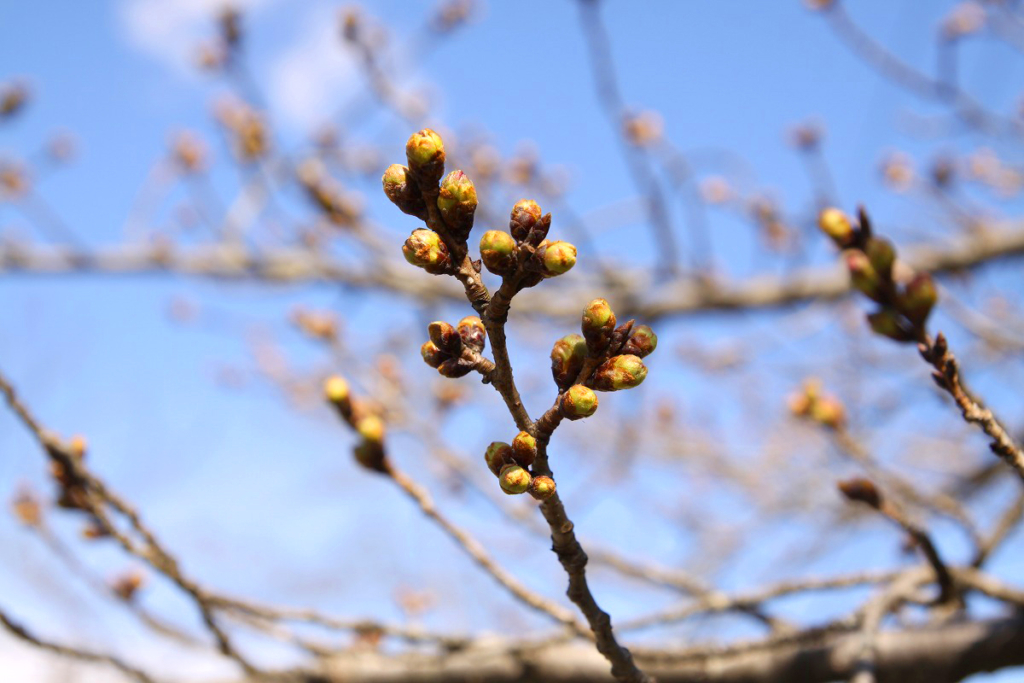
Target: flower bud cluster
370 428
444 349
903 307
811 404
511 463
525 246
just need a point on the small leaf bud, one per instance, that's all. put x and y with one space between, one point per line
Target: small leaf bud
555 258
836 225
425 152
514 479
620 372
542 487
401 188
598 324
473 333
498 252
862 274
445 337
432 355
457 203
424 249
861 491
577 403
891 324
642 342
567 356
526 214
919 297
524 449
370 454
882 255
497 455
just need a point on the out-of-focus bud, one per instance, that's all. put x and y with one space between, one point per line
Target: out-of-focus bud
230 22
818 5
425 250
514 479
891 324
189 153
598 324
919 297
862 274
567 357
78 446
620 372
836 225
445 337
524 449
432 355
555 258
861 491
127 585
371 428
497 455
542 487
642 342
351 24
401 188
498 252
829 412
94 530
882 255
370 454
336 390
13 97
27 508
473 333
963 20
457 203
526 214
644 128
577 403
425 152
454 368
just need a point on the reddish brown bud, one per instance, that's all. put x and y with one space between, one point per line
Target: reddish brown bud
861 491
524 449
497 455
370 454
498 252
620 372
127 585
526 215
432 355
598 325
577 403
454 368
425 152
542 487
425 249
473 333
445 337
401 188
642 342
457 203
567 357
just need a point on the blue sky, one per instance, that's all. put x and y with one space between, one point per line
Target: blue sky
262 498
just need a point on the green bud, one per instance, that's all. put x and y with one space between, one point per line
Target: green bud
524 449
432 355
577 403
526 215
497 455
401 188
457 203
445 337
882 255
642 342
919 297
620 372
514 479
473 332
836 225
454 368
555 258
598 324
424 249
862 274
425 152
498 252
567 356
542 487
891 324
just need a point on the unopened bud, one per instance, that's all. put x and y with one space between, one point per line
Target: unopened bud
401 188
526 215
454 368
336 390
891 324
457 203
542 487
473 333
829 412
598 324
371 428
577 403
514 479
370 454
524 449
861 491
497 455
620 372
862 274
424 249
836 225
882 255
425 152
555 258
567 357
498 252
919 297
432 355
642 342
445 337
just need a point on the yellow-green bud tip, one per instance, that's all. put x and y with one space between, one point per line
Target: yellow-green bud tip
578 402
336 389
424 148
514 479
542 487
620 372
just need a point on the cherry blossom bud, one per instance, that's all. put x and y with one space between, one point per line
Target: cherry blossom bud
577 403
526 215
891 324
425 249
555 258
882 255
425 152
445 337
497 455
401 188
498 252
620 372
861 491
473 333
919 297
567 356
524 449
598 325
371 428
542 487
454 368
514 479
836 225
862 274
642 342
457 203
432 355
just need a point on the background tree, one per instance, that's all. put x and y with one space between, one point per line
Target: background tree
227 460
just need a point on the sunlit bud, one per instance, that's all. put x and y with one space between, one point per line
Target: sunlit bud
457 203
555 258
919 297
642 342
445 337
620 372
432 355
577 403
862 274
598 324
891 324
498 252
882 255
454 368
473 332
828 411
497 455
514 479
401 188
425 152
336 390
371 428
127 585
567 356
78 446
836 225
524 449
542 487
425 250
799 404
525 215
861 491
27 508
